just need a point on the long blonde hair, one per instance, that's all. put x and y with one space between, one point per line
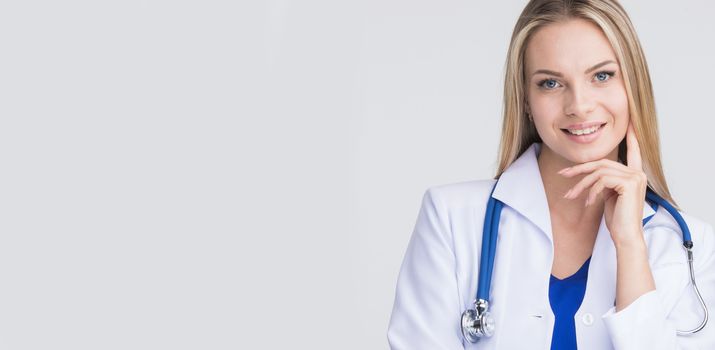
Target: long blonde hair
518 133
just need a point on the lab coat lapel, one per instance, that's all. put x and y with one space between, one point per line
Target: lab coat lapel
600 293
520 187
523 260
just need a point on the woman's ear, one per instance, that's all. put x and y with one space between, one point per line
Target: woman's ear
528 111
622 153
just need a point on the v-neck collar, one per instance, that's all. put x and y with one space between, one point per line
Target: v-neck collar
582 272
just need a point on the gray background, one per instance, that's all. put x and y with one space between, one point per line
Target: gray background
227 175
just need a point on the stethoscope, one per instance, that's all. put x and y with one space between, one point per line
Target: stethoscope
478 323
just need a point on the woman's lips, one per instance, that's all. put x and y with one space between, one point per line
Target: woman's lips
584 138
581 126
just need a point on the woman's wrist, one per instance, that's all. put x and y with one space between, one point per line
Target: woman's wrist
630 242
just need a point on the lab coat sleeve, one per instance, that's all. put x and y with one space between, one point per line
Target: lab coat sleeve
426 311
646 324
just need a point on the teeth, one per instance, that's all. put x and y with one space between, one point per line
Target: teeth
585 131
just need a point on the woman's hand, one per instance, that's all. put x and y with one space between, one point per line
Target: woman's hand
623 188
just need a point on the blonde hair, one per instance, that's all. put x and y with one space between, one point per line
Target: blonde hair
518 133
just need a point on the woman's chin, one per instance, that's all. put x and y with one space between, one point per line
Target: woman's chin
585 156
579 155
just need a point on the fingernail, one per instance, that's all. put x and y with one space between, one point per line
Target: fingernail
564 170
588 201
567 194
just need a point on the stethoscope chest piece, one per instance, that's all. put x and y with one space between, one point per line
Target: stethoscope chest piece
478 322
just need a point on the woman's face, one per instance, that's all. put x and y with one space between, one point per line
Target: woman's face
574 82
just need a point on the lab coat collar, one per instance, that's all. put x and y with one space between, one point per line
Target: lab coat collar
520 187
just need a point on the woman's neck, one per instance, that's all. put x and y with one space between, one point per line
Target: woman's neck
556 186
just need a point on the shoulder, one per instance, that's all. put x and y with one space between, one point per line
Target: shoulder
450 210
464 194
663 220
663 232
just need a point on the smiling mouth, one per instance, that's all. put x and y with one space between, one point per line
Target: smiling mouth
583 132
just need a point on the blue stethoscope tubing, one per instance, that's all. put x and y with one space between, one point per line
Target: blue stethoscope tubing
478 323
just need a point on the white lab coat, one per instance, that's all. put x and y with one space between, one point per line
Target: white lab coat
438 276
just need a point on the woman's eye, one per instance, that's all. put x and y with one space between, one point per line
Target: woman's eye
604 76
548 83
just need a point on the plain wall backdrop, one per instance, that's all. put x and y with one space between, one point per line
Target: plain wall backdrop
247 175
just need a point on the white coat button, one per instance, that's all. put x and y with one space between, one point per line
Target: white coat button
587 319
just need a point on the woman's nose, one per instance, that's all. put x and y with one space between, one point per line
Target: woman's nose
579 102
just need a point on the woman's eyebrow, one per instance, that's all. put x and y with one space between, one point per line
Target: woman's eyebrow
599 65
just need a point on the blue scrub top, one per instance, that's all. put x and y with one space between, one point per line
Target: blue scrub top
565 297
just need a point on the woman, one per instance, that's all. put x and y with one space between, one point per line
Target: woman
575 265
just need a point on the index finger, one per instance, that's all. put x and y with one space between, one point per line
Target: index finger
633 151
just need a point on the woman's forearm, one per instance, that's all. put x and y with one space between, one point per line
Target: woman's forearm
633 274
